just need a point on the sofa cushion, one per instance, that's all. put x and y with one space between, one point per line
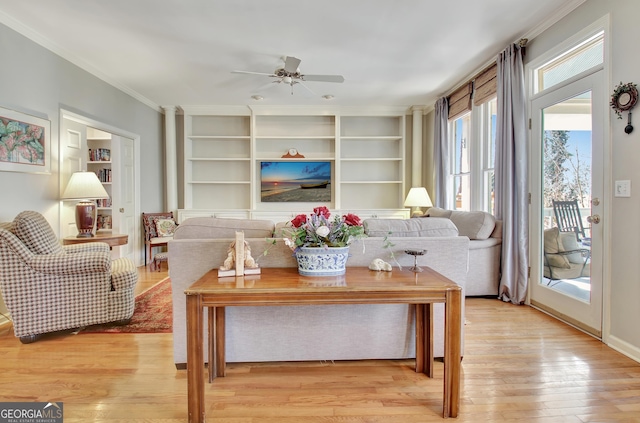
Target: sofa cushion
553 246
472 224
409 227
213 228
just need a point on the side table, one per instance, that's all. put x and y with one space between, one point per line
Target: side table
113 240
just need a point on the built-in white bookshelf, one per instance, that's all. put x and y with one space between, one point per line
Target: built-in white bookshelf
224 149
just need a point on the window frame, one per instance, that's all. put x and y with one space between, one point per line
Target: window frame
481 164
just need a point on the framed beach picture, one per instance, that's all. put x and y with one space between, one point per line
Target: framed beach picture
25 143
295 181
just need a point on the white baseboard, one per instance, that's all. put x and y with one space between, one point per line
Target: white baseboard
4 320
624 347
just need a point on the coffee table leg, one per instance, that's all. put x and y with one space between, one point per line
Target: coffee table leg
452 353
195 360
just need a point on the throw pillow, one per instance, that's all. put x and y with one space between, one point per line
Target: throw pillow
165 227
553 246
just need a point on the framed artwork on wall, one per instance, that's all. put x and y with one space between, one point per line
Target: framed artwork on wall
295 181
25 143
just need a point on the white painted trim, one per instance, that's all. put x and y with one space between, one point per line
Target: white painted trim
66 114
65 54
625 348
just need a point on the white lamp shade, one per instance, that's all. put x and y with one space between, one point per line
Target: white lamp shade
418 197
84 186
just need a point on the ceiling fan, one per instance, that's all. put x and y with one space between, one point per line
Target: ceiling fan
290 74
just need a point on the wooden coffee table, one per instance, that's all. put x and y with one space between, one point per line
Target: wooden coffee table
284 286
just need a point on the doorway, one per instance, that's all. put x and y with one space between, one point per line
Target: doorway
121 209
567 145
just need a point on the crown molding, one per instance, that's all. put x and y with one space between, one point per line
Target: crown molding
43 41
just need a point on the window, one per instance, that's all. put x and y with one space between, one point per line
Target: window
584 56
472 155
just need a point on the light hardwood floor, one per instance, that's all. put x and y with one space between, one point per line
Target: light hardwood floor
520 365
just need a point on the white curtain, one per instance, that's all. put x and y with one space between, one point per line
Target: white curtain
441 151
511 175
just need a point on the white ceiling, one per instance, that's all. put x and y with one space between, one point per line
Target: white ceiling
182 52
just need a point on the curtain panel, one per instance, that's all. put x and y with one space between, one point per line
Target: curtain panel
511 174
441 152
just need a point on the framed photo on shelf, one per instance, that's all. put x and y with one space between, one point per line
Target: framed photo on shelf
25 143
295 182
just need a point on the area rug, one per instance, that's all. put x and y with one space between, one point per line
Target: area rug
153 313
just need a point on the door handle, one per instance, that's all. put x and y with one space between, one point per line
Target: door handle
594 219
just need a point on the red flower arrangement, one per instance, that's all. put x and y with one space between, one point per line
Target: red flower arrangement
320 230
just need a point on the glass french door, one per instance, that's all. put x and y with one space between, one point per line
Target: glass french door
567 170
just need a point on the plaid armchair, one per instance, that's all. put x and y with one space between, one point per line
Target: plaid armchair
49 287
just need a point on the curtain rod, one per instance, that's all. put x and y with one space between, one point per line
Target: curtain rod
522 42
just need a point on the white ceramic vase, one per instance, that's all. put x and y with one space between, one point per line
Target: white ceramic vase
322 261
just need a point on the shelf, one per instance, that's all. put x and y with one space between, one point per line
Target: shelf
372 159
371 182
295 137
219 159
219 137
220 182
364 137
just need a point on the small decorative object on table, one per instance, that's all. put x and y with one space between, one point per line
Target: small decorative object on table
321 243
415 254
238 254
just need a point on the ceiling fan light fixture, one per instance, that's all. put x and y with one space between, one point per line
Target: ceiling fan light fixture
287 80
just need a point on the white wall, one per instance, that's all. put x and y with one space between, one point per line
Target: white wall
621 324
33 80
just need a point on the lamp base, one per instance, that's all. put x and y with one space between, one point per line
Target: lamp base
417 213
85 218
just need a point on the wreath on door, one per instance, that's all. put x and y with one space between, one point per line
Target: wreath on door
624 97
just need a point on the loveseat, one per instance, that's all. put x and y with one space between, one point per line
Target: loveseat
327 332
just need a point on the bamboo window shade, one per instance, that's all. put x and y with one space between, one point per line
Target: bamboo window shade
482 88
485 85
460 101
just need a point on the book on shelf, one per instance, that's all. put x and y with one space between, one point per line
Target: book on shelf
99 154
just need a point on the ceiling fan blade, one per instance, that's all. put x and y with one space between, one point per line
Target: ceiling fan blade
308 89
268 85
323 78
291 64
252 73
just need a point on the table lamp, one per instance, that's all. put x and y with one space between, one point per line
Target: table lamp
418 197
86 187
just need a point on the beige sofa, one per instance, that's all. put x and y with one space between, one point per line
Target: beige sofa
485 248
332 332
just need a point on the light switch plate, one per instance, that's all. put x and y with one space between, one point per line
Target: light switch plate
622 189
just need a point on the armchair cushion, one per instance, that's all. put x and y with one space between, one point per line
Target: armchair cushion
553 246
36 233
